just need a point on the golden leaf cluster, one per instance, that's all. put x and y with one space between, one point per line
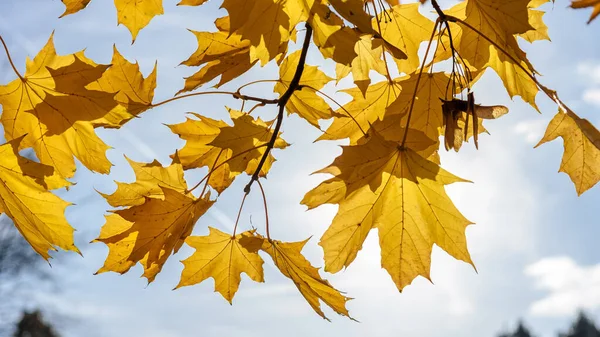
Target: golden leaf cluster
401 108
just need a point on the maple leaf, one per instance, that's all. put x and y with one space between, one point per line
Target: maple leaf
356 117
305 102
222 53
388 178
136 14
132 91
133 14
223 257
267 24
369 52
536 20
150 232
74 6
24 197
500 22
245 140
334 40
191 2
405 29
52 107
198 153
226 150
581 142
381 185
427 109
288 258
457 114
588 3
150 178
354 12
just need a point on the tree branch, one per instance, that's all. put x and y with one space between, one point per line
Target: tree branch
235 95
294 85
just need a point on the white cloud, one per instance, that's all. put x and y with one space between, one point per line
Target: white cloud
532 130
570 286
590 70
592 96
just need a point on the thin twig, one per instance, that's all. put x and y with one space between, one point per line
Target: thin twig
283 100
262 191
10 58
235 95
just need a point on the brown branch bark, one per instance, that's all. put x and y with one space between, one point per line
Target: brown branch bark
294 85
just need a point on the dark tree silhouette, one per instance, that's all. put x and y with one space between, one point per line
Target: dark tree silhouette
32 325
520 331
582 327
21 269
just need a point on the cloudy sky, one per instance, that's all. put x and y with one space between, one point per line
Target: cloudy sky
535 244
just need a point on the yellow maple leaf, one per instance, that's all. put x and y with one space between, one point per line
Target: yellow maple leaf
381 185
136 14
331 36
224 258
197 152
369 53
354 12
133 92
53 108
288 258
500 22
24 197
304 102
245 140
427 109
150 232
536 20
74 6
267 24
233 149
191 2
586 4
581 142
150 177
222 54
362 111
405 29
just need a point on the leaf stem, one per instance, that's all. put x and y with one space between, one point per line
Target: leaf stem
262 191
210 173
338 104
387 70
281 102
12 64
223 163
237 220
257 105
414 96
256 82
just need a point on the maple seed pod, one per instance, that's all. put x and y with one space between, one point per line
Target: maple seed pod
454 111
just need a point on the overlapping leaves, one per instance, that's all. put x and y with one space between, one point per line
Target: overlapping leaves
388 178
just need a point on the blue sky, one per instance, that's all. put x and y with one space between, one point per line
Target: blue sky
535 244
